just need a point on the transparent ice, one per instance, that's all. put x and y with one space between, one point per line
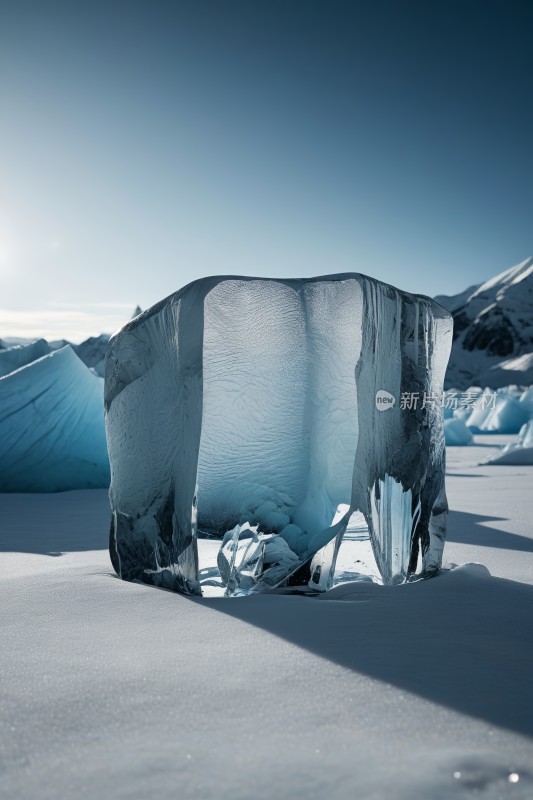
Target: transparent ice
258 439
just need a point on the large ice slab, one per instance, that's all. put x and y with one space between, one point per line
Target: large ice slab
52 434
242 413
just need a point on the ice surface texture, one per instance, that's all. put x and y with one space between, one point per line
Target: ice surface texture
243 411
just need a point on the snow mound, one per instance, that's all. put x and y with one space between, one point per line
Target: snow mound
52 434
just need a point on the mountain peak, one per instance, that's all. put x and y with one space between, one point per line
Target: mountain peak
510 277
493 328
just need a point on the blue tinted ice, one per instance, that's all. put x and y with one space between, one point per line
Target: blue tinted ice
248 421
51 422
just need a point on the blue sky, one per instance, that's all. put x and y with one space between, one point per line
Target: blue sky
143 145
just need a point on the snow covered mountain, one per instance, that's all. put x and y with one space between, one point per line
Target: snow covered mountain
493 331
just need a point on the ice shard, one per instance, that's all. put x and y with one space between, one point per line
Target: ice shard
251 421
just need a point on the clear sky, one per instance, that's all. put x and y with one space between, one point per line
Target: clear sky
143 145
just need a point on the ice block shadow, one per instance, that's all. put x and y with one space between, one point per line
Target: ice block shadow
55 523
468 528
456 640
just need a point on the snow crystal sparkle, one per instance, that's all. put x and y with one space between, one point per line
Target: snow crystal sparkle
244 434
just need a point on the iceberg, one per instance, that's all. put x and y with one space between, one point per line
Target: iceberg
507 416
526 400
519 452
15 357
92 352
243 413
456 433
501 411
52 435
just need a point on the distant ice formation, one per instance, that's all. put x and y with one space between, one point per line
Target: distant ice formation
486 410
519 452
13 358
507 416
52 434
248 431
456 432
507 410
92 352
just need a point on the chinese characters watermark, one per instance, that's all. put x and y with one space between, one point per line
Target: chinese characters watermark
451 401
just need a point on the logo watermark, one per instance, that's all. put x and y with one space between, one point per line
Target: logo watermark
413 401
384 400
